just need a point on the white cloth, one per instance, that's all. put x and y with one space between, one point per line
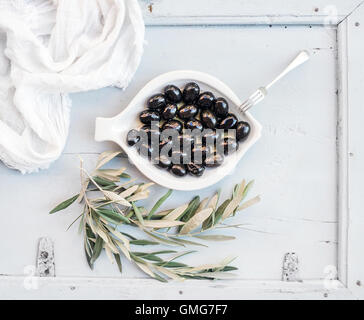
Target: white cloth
49 48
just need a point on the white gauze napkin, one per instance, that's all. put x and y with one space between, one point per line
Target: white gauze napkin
49 49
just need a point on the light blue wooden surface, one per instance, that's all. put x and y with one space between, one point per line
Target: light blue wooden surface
294 164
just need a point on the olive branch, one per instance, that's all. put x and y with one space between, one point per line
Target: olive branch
115 204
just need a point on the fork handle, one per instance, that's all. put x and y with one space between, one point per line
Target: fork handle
302 57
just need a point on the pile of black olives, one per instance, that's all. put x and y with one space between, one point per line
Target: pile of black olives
187 131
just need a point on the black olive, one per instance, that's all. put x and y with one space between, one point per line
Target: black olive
153 132
165 148
173 93
193 124
199 154
229 122
187 112
179 170
147 116
221 107
145 150
186 140
209 136
133 137
242 130
229 145
214 160
169 111
208 119
158 101
163 161
206 100
173 125
195 169
191 92
180 157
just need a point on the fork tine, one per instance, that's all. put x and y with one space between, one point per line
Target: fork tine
246 106
256 97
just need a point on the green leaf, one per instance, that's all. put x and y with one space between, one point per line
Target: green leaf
111 216
159 278
138 213
164 252
89 232
88 258
220 210
143 242
97 249
195 277
159 203
64 204
228 268
171 264
125 176
103 182
118 262
191 209
247 189
148 256
196 220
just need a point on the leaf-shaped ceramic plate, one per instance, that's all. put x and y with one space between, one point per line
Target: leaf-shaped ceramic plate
115 129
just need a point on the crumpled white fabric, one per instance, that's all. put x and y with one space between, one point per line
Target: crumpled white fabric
49 49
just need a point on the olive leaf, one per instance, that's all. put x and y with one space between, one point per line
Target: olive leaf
64 204
138 214
120 236
162 223
143 242
196 220
172 275
123 249
97 249
145 186
148 256
249 203
111 216
163 213
237 198
202 204
191 209
116 198
215 237
102 234
219 212
109 254
176 213
118 262
159 203
139 196
105 157
103 182
110 174
128 192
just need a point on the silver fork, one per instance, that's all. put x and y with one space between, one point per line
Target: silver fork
260 94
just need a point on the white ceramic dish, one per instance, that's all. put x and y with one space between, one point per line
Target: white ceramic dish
115 129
